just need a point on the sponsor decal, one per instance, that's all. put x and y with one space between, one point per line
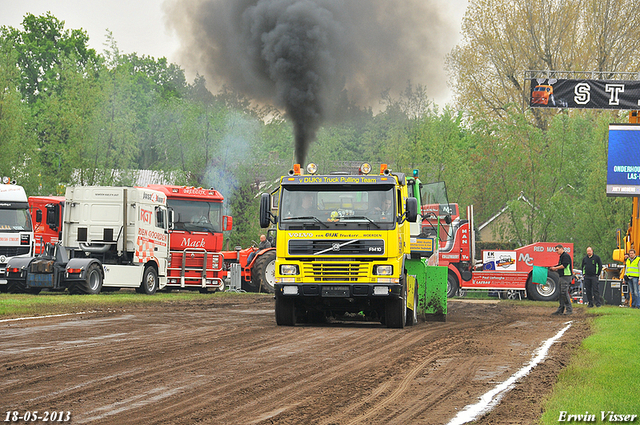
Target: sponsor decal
187 242
145 215
152 236
339 179
153 197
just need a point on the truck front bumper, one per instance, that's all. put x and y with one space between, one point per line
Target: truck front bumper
339 290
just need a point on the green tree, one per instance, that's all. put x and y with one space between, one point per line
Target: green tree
17 141
40 47
501 39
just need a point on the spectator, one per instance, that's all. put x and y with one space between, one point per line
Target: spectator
631 270
591 269
563 268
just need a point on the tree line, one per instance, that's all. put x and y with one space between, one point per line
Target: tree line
70 115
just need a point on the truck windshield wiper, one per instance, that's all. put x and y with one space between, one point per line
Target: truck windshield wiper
360 217
307 218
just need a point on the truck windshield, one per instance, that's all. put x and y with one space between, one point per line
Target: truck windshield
372 206
15 219
196 216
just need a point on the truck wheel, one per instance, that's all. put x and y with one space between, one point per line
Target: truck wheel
93 280
263 274
412 315
396 310
92 283
149 283
452 285
546 292
285 311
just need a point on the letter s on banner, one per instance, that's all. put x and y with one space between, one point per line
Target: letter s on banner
583 93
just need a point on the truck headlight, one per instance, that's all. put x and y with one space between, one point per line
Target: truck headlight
383 270
288 269
312 168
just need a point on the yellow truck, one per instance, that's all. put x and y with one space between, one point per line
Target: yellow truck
343 247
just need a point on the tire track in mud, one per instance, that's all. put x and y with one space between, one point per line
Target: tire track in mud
231 365
128 355
269 374
385 406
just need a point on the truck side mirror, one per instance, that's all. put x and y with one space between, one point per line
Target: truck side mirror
171 218
227 222
53 216
265 207
412 209
38 216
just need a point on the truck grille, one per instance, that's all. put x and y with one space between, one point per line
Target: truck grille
336 272
337 247
12 251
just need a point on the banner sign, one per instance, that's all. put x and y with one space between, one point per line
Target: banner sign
589 94
623 162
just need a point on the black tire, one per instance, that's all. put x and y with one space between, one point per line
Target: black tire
452 285
547 292
149 284
412 315
396 310
16 287
93 280
92 283
285 311
263 276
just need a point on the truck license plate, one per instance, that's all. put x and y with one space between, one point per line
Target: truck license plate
40 280
335 291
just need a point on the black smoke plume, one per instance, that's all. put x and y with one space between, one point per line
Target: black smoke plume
301 54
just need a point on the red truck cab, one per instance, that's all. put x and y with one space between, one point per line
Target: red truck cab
46 215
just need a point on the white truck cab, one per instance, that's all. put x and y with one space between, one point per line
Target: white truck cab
16 231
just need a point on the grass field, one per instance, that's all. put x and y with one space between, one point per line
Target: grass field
603 375
20 305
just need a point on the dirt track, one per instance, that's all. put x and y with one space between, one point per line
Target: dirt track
224 361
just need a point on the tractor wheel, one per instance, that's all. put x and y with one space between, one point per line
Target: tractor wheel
548 291
263 273
285 311
452 285
149 284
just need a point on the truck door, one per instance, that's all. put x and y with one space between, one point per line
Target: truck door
161 249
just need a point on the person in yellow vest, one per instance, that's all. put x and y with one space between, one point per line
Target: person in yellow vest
563 268
631 270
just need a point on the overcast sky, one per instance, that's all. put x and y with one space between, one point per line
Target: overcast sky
139 25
